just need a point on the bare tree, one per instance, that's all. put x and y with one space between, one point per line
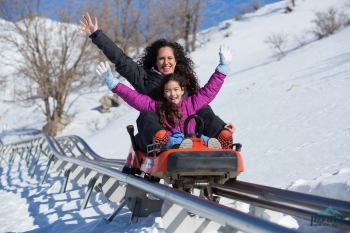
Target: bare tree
183 21
329 21
50 60
256 4
151 26
126 32
132 24
122 21
277 42
243 9
171 20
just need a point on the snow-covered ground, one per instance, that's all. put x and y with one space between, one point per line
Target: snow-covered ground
291 114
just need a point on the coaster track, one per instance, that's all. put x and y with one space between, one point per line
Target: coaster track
72 156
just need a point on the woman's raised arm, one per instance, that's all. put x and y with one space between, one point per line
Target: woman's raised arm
124 65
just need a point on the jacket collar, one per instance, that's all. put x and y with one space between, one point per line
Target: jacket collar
153 70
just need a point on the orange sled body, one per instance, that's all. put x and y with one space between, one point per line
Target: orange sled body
188 168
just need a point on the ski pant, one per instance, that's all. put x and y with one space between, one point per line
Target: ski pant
148 125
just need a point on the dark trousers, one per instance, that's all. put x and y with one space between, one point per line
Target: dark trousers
148 125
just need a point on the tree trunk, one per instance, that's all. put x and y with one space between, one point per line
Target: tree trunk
54 117
187 32
195 25
186 24
51 126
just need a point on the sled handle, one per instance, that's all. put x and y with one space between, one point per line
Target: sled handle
201 125
130 129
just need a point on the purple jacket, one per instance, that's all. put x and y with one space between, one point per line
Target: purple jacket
188 106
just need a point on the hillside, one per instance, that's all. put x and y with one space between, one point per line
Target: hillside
291 112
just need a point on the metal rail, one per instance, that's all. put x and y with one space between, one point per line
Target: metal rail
223 215
308 202
85 150
289 202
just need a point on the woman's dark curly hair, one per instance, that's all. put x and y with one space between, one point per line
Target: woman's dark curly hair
167 110
184 65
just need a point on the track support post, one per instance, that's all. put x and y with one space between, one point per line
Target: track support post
36 160
91 185
135 210
122 203
47 169
66 178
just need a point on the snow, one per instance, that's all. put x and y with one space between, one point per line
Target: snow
291 114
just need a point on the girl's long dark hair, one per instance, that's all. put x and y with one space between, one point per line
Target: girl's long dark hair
184 65
166 110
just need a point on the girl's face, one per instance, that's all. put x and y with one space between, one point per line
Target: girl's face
166 61
173 92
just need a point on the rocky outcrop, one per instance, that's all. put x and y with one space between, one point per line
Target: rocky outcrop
109 101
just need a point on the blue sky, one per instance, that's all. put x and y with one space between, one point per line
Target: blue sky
223 10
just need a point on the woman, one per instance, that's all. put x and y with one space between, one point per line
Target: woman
160 58
172 108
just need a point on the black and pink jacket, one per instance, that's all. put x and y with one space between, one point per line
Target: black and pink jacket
188 106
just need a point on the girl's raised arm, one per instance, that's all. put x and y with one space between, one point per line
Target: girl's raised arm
133 98
207 93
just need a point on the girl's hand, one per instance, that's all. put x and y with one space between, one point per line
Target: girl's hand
225 53
104 71
87 25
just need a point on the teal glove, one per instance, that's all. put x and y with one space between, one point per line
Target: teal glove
225 53
104 71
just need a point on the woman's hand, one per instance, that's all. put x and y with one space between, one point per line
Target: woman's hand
230 127
87 25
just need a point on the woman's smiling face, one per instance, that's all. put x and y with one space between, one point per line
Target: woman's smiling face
166 61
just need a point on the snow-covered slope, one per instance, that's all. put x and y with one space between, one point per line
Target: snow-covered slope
291 113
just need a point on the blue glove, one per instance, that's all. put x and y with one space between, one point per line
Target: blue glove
175 138
105 73
205 139
225 53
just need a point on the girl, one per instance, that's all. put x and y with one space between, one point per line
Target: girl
172 109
